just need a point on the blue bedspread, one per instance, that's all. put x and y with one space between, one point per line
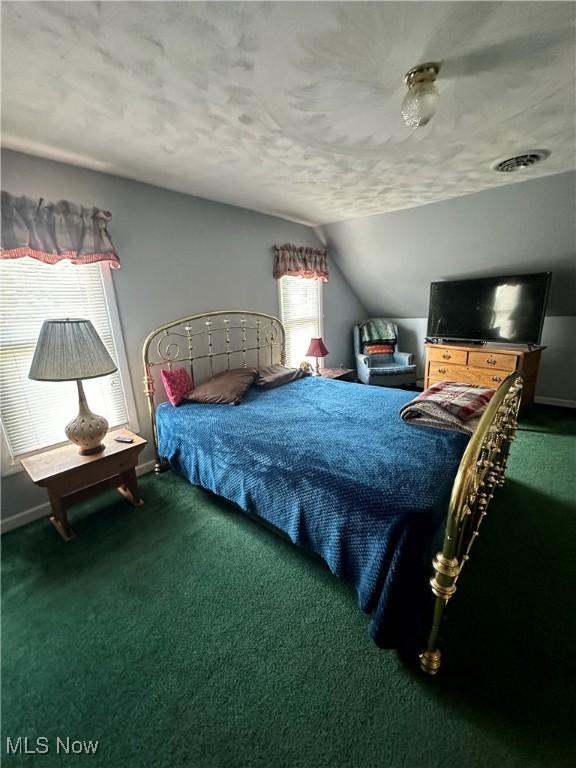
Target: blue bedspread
334 466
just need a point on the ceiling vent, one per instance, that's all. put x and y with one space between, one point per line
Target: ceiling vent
519 162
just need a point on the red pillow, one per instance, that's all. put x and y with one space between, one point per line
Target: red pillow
177 384
378 349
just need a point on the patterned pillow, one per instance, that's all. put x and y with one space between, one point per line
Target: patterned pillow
378 349
177 384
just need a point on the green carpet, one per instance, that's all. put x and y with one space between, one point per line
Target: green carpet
184 634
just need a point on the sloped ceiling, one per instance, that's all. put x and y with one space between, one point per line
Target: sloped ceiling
291 108
390 260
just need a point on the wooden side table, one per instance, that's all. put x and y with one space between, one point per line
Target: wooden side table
69 477
342 374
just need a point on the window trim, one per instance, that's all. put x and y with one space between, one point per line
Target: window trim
12 466
319 284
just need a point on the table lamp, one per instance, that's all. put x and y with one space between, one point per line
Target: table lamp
71 350
316 349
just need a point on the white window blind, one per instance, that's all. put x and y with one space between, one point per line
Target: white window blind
301 315
34 413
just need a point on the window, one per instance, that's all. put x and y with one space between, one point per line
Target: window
34 413
301 315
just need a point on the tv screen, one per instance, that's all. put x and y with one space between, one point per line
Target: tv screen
498 309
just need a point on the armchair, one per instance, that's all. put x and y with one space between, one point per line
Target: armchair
385 370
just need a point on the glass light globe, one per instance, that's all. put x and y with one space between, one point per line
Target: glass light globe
419 105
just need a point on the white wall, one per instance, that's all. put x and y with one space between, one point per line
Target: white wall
180 255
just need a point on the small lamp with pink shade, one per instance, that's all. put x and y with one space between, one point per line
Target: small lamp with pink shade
317 349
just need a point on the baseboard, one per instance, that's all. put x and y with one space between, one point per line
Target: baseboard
142 469
559 402
43 510
23 518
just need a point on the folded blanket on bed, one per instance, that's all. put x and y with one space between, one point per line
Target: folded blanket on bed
448 405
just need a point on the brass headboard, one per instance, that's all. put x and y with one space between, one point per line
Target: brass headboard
208 344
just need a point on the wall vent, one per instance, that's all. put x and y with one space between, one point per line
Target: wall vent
519 162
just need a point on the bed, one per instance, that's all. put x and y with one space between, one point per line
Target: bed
390 507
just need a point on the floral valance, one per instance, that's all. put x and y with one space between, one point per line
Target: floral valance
300 261
51 232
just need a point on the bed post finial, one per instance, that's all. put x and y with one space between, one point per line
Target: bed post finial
443 583
430 661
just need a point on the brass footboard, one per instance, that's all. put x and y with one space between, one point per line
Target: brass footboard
481 470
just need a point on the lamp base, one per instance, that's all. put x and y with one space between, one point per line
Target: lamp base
87 429
90 451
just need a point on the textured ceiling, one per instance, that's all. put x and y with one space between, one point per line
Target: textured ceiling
291 108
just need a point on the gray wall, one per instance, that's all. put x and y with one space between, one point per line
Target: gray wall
390 260
180 255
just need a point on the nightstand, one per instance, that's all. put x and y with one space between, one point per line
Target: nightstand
70 477
342 374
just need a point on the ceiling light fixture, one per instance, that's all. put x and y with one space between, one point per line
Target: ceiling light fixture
419 105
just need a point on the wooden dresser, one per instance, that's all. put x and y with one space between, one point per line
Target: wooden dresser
486 365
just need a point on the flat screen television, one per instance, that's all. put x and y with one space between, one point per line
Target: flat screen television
506 309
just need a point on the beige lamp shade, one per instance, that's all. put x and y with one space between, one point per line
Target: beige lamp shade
69 349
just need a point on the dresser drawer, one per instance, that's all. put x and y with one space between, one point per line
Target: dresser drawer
431 382
454 356
465 375
492 360
447 372
490 379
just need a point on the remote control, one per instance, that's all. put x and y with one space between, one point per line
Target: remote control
123 439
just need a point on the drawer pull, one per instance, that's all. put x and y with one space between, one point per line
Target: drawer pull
497 378
446 356
441 370
491 361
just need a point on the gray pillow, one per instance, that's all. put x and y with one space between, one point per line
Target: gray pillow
276 375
